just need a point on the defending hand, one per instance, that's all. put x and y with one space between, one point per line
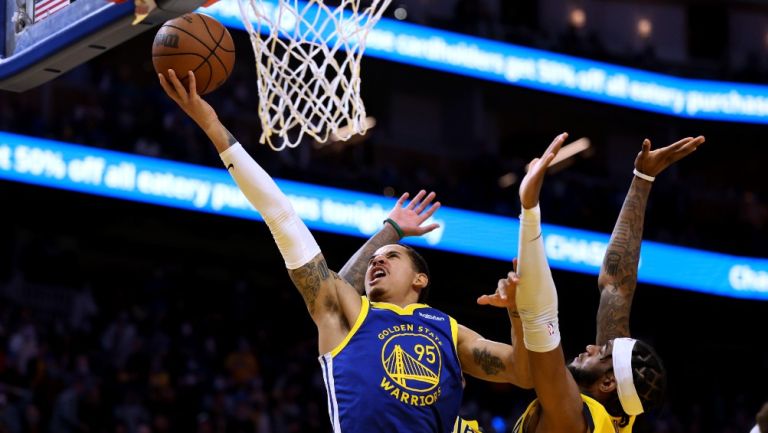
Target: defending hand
531 183
653 162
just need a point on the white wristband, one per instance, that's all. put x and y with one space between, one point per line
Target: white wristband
643 175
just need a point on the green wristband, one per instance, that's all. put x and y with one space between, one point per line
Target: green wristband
396 227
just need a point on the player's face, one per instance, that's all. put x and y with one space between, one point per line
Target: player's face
390 274
592 364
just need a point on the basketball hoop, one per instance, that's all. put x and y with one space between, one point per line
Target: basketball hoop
308 66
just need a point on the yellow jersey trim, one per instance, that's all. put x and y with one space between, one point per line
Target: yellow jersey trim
601 420
465 426
597 407
455 333
407 311
364 306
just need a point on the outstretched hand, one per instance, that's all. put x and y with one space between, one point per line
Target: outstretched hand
505 293
188 99
530 187
411 216
653 162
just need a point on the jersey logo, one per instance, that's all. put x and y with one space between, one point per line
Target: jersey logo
408 371
412 363
431 317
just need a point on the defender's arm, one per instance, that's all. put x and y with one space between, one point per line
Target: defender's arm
618 275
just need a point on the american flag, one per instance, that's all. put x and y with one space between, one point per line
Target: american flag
44 8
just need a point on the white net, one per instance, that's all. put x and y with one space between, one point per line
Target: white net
308 66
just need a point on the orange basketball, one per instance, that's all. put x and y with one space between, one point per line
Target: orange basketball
198 43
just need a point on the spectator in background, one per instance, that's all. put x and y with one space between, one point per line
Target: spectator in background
118 339
242 364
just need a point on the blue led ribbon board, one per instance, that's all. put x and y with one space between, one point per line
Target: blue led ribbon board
550 72
185 186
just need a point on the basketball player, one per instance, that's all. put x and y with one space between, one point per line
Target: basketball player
604 388
404 220
389 363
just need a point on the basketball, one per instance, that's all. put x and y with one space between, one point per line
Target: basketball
198 43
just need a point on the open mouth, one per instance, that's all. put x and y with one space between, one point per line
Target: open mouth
377 273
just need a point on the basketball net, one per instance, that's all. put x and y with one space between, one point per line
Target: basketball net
308 66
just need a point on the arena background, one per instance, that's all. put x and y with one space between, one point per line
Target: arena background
139 318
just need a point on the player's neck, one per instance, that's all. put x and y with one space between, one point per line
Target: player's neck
401 301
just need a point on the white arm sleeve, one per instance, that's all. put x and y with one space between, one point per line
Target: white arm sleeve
536 294
296 243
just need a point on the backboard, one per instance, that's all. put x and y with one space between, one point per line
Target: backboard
42 39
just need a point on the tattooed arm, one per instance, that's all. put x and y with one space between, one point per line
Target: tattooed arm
505 298
492 361
618 274
356 267
331 302
409 217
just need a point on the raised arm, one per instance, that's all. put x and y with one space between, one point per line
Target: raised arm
331 302
558 395
405 219
618 274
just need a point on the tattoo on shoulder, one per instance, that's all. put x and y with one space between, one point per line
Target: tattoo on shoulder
309 278
491 364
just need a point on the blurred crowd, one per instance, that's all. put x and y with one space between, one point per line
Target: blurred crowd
149 359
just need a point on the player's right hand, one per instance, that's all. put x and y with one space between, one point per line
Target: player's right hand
188 99
653 162
530 186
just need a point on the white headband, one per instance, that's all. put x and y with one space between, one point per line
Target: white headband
622 370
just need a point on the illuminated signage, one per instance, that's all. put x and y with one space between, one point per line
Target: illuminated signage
549 72
186 186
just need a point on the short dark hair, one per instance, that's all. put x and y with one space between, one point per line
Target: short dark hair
650 379
420 266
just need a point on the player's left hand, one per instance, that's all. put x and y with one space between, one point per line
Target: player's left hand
412 215
653 162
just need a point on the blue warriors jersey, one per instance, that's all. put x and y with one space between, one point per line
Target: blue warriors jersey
397 371
598 419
